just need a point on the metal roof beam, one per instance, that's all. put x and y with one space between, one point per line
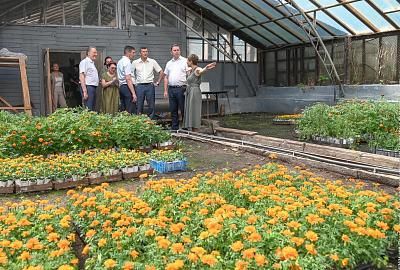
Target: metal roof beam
361 17
308 17
298 14
281 25
236 19
387 18
250 18
333 17
391 11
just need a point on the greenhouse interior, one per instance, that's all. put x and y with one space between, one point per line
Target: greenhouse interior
199 134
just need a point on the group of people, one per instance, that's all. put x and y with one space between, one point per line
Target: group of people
128 83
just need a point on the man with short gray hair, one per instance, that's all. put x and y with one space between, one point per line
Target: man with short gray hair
89 78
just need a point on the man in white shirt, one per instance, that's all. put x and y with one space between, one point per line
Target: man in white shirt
127 93
89 78
175 84
143 70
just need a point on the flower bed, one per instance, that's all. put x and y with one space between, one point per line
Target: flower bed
286 119
266 218
376 122
37 173
68 130
36 235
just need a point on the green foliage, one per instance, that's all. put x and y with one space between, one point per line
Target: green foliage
68 130
374 121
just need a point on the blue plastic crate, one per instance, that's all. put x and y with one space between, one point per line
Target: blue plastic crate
165 167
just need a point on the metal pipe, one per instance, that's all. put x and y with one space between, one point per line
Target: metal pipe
194 31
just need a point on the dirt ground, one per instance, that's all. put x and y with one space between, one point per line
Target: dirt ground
202 157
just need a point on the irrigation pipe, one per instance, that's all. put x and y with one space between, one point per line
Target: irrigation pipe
277 150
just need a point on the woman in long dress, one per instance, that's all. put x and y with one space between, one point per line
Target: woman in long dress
110 91
193 100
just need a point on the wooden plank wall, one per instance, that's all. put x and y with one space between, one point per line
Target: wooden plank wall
31 40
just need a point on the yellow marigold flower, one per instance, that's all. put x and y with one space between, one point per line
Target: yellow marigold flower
334 257
86 250
250 229
177 248
102 242
66 267
396 228
237 246
252 219
176 265
345 262
164 243
294 224
203 211
312 236
209 260
3 258
241 265
260 259
150 232
198 251
74 261
311 249
110 263
192 257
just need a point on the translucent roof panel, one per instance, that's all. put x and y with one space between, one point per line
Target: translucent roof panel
372 16
276 23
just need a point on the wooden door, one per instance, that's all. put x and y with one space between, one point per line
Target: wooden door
47 83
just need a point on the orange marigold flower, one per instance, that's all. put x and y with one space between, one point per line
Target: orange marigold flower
345 238
396 228
237 246
249 253
134 254
177 248
209 260
86 250
65 267
382 225
164 243
25 255
345 262
128 266
312 236
90 233
254 237
260 259
176 265
63 244
241 265
311 249
287 253
294 224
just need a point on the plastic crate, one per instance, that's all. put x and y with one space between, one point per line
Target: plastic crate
165 167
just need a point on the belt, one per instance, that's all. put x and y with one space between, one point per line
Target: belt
176 86
144 83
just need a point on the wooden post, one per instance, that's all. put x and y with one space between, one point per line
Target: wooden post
25 88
